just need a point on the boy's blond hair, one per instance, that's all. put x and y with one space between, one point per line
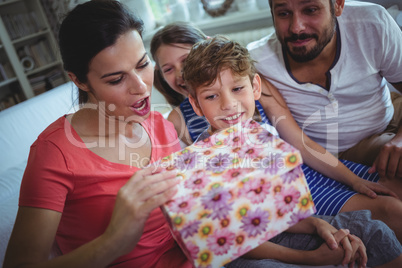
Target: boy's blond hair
209 57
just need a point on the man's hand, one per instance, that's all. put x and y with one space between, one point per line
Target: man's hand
388 163
371 189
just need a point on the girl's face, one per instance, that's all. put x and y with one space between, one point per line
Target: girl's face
170 59
120 79
228 101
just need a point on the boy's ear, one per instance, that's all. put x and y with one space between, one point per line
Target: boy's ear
196 107
257 87
77 82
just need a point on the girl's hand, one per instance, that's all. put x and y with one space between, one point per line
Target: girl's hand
146 190
371 189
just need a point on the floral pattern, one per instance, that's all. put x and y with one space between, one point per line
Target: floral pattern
240 187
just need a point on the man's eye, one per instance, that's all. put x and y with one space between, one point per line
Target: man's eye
311 10
282 14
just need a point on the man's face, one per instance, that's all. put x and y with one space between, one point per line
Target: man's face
304 27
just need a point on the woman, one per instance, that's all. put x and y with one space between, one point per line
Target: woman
85 185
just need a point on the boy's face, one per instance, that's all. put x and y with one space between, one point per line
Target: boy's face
230 100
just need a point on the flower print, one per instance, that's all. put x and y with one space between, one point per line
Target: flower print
268 235
216 198
205 259
225 222
264 137
287 199
295 218
236 139
193 249
228 131
241 251
255 190
271 164
206 230
182 204
277 187
197 180
190 228
249 152
242 210
285 147
203 214
178 221
251 124
255 222
221 212
292 160
219 143
291 175
219 163
234 174
187 160
306 203
207 152
205 143
221 241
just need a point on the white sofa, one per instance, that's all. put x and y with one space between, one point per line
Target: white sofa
19 127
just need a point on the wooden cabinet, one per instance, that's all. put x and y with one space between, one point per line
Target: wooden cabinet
29 57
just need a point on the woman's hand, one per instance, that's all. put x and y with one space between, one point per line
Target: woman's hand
371 189
146 190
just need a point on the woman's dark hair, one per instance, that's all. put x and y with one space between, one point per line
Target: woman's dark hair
88 29
174 33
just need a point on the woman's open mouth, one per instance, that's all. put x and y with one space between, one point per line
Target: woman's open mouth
141 107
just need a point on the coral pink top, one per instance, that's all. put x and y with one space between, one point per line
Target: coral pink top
62 174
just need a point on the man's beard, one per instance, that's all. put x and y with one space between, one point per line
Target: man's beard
300 54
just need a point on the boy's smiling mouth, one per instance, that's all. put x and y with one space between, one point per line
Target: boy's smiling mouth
233 119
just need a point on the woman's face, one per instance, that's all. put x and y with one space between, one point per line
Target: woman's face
120 79
170 59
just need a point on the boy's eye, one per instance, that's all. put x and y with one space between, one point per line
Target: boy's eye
210 97
237 89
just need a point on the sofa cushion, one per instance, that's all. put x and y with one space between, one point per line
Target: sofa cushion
22 123
10 181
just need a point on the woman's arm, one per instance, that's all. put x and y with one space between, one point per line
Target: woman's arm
176 117
313 154
35 229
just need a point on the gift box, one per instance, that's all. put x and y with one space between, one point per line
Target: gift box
239 188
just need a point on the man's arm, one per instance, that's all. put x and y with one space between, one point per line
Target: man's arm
398 86
313 154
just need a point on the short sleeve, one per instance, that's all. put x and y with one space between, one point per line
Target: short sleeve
47 180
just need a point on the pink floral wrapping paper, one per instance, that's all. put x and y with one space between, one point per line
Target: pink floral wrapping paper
240 187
